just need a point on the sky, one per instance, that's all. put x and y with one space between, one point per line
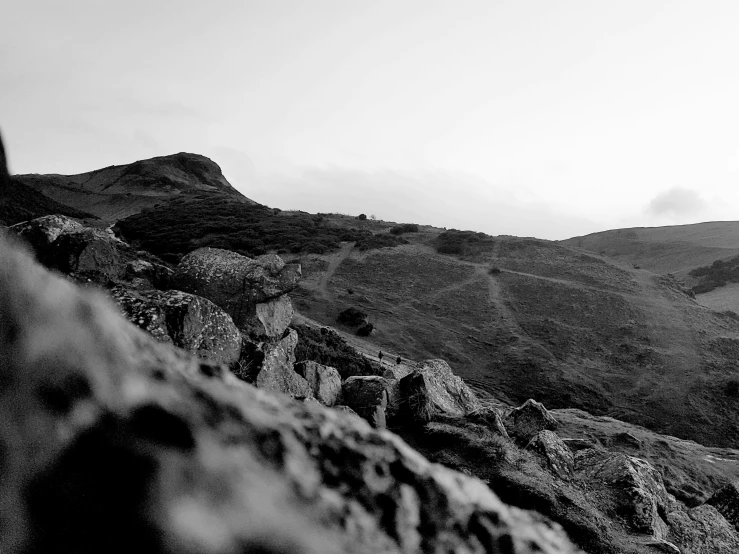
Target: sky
526 117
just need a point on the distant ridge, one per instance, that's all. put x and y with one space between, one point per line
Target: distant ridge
119 191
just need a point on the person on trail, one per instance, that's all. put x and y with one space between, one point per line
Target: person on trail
379 356
397 360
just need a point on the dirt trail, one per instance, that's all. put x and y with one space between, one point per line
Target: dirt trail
334 261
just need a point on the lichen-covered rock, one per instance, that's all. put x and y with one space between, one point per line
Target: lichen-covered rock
490 418
396 372
702 530
277 372
234 282
368 396
325 381
113 442
432 389
155 275
726 501
41 232
636 491
525 422
185 320
555 451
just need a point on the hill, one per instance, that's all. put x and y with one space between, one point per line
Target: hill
522 318
676 249
119 191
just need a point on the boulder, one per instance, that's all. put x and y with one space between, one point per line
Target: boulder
702 530
324 381
726 501
368 396
634 489
114 442
185 320
432 389
152 274
525 422
277 371
270 318
234 282
490 418
559 457
40 233
397 372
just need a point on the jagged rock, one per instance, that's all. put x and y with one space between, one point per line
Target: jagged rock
702 530
578 444
185 320
277 372
325 381
270 319
525 422
234 282
368 396
432 389
636 488
396 372
490 418
558 455
113 442
726 501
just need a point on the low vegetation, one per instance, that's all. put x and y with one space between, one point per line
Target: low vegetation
718 274
172 230
404 228
380 240
326 347
463 243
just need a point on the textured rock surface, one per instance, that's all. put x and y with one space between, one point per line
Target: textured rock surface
525 422
368 396
41 232
234 282
557 453
277 371
185 320
325 381
433 389
271 318
113 442
490 418
726 501
636 488
702 530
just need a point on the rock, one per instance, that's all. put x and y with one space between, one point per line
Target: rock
325 381
637 492
113 442
525 422
40 233
156 275
702 530
579 444
270 319
185 320
555 451
432 389
368 396
352 317
346 410
234 282
490 418
726 501
277 372
397 372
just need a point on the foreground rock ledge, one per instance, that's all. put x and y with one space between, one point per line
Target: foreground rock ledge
113 442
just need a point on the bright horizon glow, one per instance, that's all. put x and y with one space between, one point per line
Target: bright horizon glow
525 117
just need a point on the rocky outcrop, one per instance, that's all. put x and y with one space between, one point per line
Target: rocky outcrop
40 233
368 396
113 442
324 381
528 420
702 530
270 319
185 320
559 457
432 389
277 372
234 282
635 488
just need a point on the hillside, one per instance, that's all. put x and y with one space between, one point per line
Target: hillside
119 191
673 249
523 318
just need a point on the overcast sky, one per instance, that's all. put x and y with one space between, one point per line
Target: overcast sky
535 118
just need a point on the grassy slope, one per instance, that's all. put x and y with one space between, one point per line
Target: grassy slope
566 327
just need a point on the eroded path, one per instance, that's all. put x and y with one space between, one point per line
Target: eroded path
334 261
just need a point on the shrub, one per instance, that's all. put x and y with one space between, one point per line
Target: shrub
731 388
404 228
352 316
463 243
365 330
494 271
326 347
362 217
380 240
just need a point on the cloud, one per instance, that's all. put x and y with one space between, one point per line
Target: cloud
677 202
